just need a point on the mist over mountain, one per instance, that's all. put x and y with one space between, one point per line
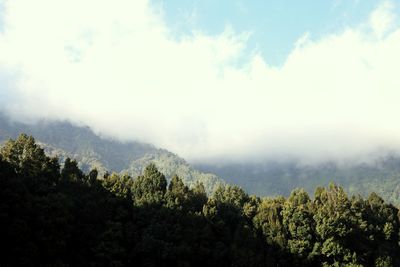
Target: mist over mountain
125 73
378 173
63 139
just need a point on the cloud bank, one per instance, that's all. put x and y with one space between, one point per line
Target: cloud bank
115 66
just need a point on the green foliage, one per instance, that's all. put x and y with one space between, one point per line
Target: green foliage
117 184
380 174
334 224
53 217
29 159
297 216
93 176
64 140
178 193
269 222
71 171
150 187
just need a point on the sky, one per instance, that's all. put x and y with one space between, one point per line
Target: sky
209 79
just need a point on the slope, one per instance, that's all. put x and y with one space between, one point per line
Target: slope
270 178
63 139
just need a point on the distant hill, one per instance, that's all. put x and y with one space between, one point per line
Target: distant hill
63 139
380 175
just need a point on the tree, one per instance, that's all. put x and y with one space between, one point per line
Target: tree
71 171
150 187
72 222
120 185
382 230
226 204
29 160
177 195
297 217
335 223
198 197
269 222
93 176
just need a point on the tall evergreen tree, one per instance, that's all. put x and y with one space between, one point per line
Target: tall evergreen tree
150 187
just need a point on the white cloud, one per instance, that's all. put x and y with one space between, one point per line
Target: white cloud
115 66
382 19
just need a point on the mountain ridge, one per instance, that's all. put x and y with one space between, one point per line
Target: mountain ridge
63 139
272 178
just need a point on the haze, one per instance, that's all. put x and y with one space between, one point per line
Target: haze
119 67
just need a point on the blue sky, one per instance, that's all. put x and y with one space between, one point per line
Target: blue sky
274 25
209 79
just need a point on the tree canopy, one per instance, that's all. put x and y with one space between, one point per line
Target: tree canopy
56 215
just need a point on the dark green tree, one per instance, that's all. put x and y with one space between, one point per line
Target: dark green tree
297 217
177 195
68 218
71 171
92 177
150 187
335 224
120 185
29 160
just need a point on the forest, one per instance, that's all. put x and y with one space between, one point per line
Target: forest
55 214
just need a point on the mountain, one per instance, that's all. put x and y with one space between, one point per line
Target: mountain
63 139
270 178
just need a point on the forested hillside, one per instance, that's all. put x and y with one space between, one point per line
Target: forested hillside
62 139
380 174
53 216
